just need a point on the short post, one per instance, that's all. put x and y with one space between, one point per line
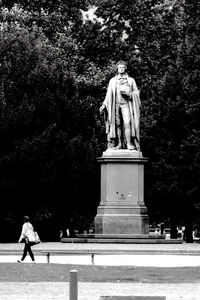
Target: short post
48 257
73 285
92 256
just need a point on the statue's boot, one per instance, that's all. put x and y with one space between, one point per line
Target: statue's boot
130 147
119 146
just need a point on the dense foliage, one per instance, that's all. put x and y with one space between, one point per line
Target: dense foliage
54 68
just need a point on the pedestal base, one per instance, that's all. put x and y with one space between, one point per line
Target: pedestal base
122 210
121 220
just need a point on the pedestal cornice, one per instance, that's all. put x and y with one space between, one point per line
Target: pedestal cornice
122 155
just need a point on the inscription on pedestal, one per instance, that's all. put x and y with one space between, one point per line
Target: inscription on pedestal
121 197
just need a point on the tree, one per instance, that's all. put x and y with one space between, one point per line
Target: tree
54 75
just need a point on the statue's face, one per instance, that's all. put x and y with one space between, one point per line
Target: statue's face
121 69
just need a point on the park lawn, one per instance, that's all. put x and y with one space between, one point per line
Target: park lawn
15 272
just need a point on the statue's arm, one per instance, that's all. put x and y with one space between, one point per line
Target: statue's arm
136 95
134 86
104 104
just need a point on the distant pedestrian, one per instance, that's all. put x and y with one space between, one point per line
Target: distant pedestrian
183 232
162 228
26 238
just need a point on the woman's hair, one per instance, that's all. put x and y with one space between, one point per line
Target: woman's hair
26 219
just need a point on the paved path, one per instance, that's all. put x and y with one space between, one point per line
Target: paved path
160 255
188 248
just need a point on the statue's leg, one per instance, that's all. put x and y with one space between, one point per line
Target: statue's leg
119 133
118 124
130 146
127 126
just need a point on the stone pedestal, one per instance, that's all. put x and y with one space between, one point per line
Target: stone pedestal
122 211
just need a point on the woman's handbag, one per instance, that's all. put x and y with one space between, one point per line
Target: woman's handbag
33 237
37 239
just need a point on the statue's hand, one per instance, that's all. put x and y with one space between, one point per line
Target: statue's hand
101 109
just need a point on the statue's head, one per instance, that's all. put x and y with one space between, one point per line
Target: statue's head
121 66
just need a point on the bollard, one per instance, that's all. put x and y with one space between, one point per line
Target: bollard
92 257
73 285
48 257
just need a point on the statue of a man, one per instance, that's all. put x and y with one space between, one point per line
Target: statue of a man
121 109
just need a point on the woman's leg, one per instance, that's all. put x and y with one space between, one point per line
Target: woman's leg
30 251
25 251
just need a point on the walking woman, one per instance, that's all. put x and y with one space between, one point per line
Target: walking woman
27 230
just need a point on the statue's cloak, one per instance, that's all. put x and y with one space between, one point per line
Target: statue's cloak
110 104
